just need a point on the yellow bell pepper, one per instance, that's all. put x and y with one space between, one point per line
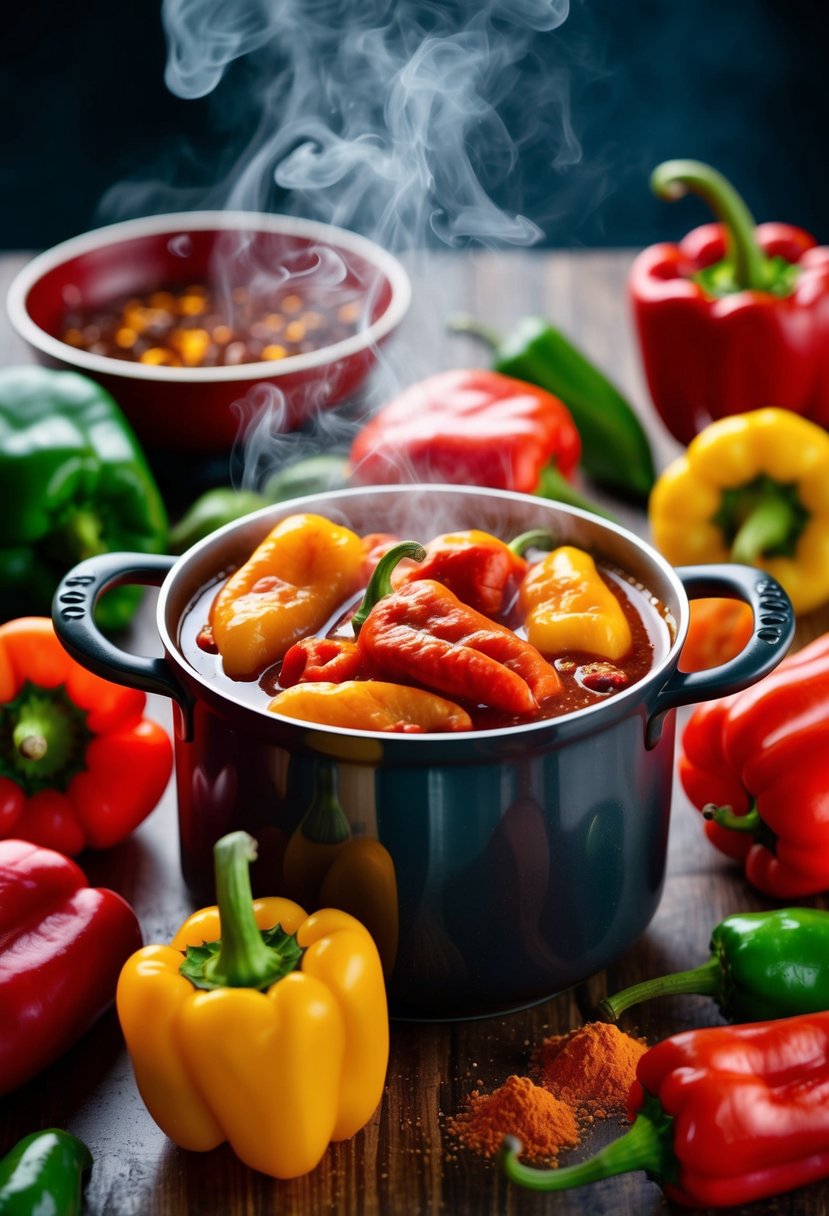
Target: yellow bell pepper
569 607
370 705
258 1024
287 589
751 488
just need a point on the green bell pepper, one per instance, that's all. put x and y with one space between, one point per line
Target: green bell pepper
615 449
43 1173
75 483
763 965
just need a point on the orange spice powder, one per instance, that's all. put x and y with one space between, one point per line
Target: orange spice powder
591 1069
518 1108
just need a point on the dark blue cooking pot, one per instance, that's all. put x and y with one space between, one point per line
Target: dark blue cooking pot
495 868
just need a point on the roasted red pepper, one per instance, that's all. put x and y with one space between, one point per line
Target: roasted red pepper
734 318
62 946
79 764
314 659
470 427
423 632
478 568
755 764
721 1116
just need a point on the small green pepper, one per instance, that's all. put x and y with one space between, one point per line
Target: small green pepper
43 1173
615 449
763 965
75 483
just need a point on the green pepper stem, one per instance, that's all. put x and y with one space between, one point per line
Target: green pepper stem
675 178
243 959
380 582
726 818
552 485
705 980
643 1147
83 534
772 521
463 323
536 538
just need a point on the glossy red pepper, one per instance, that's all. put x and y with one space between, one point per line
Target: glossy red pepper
481 570
755 764
721 1116
422 632
733 318
314 659
62 946
470 427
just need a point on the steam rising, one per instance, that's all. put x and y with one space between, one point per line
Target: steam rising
382 115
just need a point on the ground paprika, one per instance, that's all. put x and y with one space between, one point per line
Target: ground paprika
520 1107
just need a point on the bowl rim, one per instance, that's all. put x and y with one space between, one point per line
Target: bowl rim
181 221
617 706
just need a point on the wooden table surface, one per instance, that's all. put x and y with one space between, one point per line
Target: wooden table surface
405 1162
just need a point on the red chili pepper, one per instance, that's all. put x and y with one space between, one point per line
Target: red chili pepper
479 569
722 1116
734 318
471 427
62 946
81 767
755 764
313 659
422 632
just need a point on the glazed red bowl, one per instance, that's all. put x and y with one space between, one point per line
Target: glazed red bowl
203 409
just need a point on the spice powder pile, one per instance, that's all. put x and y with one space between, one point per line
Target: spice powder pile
577 1078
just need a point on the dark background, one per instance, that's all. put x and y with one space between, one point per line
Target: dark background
740 84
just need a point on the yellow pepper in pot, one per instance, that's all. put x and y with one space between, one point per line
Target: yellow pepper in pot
568 606
258 1024
371 705
751 488
287 589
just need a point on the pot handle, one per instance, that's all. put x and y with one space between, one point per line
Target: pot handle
73 618
773 632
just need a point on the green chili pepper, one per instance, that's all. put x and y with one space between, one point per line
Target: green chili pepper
75 483
615 449
43 1174
763 965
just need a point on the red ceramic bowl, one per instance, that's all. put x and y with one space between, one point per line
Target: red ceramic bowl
194 409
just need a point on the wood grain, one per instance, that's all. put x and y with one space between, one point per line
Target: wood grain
404 1162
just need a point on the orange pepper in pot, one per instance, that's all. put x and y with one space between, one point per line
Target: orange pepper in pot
289 586
370 705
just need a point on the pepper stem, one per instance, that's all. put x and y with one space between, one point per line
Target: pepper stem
243 959
380 582
725 817
83 534
770 524
646 1146
536 538
705 981
464 323
675 178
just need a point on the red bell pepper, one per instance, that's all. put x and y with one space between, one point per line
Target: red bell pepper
62 946
733 318
312 660
421 631
755 764
80 767
481 570
721 1116
471 427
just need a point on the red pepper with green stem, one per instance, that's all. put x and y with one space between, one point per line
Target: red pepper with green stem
422 632
755 764
733 318
721 1116
62 946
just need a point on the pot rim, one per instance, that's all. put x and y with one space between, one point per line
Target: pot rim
179 222
602 713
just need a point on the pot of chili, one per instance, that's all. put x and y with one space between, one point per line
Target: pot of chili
444 755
